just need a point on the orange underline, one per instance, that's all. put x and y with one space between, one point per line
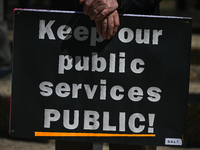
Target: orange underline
65 134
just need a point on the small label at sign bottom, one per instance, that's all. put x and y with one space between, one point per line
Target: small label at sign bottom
173 141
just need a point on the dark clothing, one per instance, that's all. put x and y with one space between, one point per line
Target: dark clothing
147 7
71 5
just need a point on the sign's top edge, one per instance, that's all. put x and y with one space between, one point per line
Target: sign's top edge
158 16
129 15
45 10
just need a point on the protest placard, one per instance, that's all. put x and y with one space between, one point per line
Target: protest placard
68 83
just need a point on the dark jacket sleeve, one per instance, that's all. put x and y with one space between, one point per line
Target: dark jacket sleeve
146 7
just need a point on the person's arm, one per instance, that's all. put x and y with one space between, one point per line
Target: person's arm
138 6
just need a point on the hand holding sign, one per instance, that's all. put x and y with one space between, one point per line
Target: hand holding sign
108 26
99 9
105 15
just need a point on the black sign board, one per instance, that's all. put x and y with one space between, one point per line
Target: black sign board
69 83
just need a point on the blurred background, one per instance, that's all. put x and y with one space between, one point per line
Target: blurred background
183 8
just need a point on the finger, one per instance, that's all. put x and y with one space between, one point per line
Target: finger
104 28
116 22
87 5
98 26
89 12
110 27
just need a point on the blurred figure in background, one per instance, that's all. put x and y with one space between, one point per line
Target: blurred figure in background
5 51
